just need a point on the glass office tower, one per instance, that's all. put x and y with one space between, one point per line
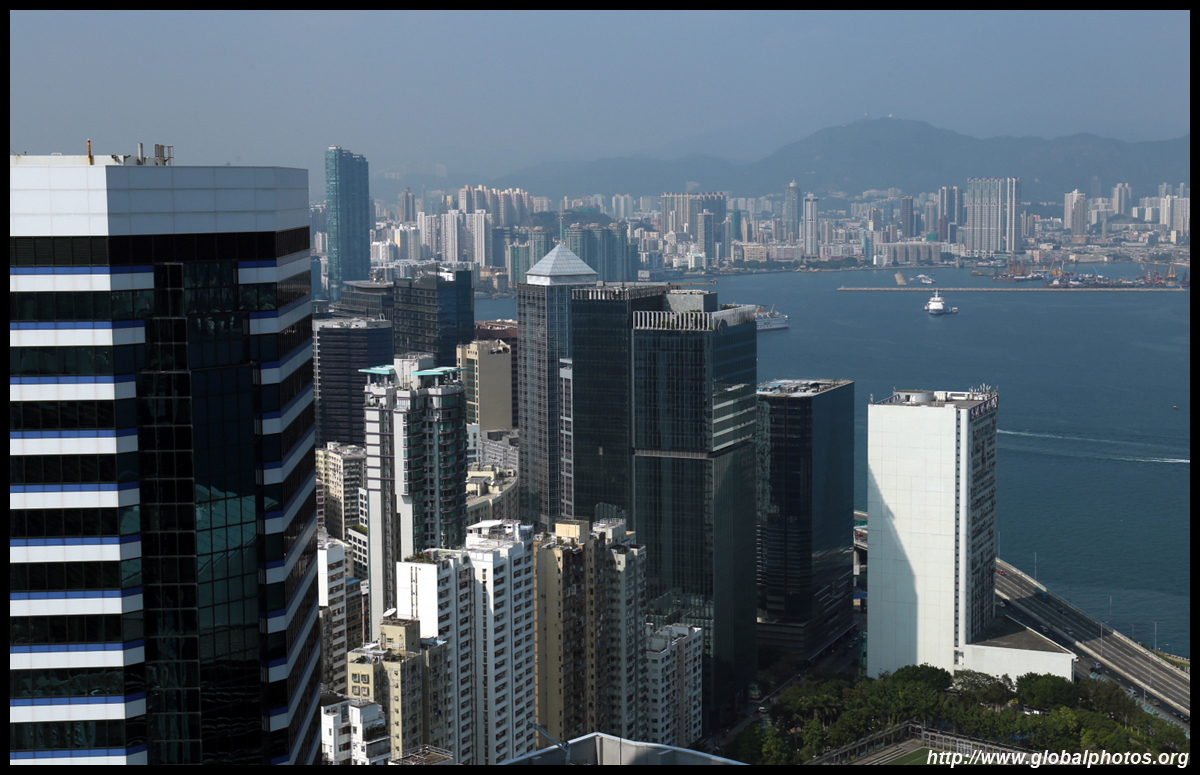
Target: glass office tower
162 538
544 325
602 416
347 196
434 314
694 468
805 513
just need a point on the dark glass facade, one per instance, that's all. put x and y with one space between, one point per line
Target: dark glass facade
694 493
434 315
349 214
602 348
806 513
218 534
341 348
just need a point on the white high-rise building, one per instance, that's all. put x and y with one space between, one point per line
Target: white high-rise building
1070 209
451 228
480 601
1122 198
812 243
340 611
479 232
416 468
993 215
931 502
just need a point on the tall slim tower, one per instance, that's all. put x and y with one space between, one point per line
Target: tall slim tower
812 244
931 501
544 324
805 513
694 422
416 468
349 211
1122 198
791 213
162 520
907 224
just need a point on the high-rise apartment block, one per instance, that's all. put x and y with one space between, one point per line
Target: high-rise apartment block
353 731
349 214
479 601
416 468
544 324
805 513
341 471
908 226
674 685
931 504
1122 199
993 215
163 601
341 347
950 205
413 680
487 376
590 612
812 243
1075 209
680 212
434 313
340 611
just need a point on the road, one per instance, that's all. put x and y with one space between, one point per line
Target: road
1072 628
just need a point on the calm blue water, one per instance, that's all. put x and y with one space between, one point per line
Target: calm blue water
1095 464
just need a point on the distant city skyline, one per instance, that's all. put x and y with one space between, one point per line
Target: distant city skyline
491 93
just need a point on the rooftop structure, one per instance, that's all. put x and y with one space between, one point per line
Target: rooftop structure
599 748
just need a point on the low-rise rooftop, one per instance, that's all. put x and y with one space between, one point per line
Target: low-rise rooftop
1008 634
800 387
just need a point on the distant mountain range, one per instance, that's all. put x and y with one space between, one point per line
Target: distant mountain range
881 153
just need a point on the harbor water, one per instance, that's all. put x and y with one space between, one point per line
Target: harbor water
1095 446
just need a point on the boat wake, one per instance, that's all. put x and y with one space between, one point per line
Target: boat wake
1032 435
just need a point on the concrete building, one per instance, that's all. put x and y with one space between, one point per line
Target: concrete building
805 513
416 467
544 321
340 614
590 611
491 493
487 376
341 471
1075 212
479 600
500 448
931 503
993 216
812 243
160 451
674 685
412 679
353 731
1122 198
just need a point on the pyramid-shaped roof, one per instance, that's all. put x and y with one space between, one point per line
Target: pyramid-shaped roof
559 267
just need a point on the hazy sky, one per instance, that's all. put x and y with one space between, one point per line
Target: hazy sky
492 92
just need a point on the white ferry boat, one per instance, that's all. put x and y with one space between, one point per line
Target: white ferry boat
937 305
925 280
770 320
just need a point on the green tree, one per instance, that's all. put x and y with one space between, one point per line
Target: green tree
774 749
934 677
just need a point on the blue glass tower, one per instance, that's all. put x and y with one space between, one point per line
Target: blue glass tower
349 211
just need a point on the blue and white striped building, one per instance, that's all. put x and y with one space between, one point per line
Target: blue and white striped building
162 544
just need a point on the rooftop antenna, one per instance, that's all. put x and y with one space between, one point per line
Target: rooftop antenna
91 161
